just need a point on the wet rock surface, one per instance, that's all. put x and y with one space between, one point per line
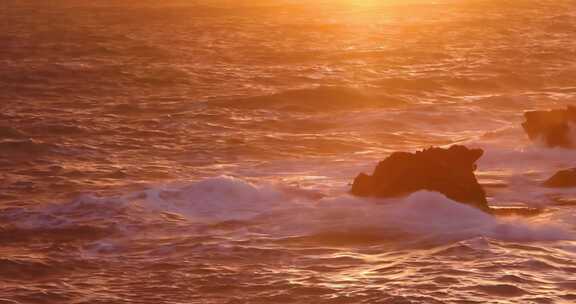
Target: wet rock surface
448 171
552 127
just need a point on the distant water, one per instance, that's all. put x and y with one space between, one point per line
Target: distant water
201 151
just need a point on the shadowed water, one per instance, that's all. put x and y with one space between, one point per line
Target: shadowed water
201 151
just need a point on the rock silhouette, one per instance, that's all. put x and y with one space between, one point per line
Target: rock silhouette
552 127
448 171
562 179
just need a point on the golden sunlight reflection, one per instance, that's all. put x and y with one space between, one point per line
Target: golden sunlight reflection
287 151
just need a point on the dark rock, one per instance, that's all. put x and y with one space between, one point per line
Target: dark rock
448 171
552 127
562 179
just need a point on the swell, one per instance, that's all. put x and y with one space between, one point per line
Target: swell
19 147
319 99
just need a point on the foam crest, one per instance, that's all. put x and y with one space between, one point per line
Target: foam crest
433 216
279 211
221 198
425 212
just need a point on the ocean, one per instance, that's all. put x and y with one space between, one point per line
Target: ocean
202 151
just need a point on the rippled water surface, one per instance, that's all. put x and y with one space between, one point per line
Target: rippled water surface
201 151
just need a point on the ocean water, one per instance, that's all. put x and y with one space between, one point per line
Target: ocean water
201 151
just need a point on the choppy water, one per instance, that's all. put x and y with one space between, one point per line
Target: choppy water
201 151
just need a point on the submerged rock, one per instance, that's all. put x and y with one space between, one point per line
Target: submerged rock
552 127
562 179
448 171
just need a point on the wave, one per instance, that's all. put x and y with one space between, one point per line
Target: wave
318 99
216 199
434 217
27 268
11 133
237 206
24 146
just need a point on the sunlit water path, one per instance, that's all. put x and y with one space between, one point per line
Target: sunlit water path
201 151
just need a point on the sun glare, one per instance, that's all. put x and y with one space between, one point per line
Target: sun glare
287 151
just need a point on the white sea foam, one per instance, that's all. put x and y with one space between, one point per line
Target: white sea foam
221 198
433 215
422 213
283 211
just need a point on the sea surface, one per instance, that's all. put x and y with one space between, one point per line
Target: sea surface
201 151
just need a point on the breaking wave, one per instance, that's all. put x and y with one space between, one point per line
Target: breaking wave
284 212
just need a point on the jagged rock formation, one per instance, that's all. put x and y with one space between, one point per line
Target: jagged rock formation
448 171
553 127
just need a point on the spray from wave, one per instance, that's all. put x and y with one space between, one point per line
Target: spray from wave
282 212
